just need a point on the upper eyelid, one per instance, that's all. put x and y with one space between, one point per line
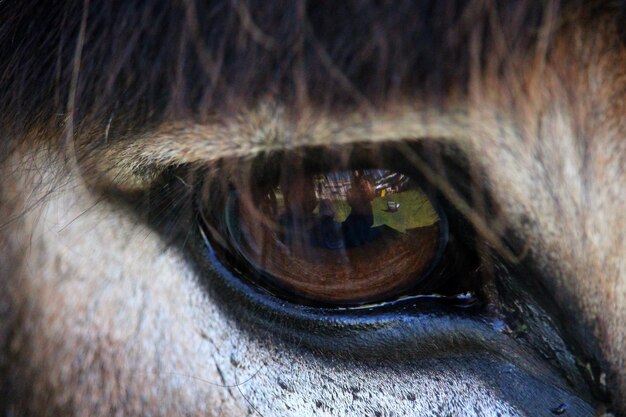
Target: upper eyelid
133 163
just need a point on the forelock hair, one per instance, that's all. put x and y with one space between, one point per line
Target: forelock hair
145 60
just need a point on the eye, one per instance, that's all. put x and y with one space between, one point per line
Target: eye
321 228
357 252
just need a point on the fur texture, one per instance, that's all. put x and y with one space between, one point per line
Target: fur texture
101 317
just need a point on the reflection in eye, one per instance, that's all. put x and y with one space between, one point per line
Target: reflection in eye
337 237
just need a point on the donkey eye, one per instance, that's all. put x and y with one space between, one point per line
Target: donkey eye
340 237
326 233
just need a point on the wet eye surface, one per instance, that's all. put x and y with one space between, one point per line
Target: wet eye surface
339 237
328 231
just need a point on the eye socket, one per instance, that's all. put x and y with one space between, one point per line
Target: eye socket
329 231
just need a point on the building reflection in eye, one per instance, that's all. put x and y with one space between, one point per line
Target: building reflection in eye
350 208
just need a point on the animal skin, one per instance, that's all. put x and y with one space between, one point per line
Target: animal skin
109 111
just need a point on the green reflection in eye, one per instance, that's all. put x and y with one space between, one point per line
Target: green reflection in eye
412 209
394 205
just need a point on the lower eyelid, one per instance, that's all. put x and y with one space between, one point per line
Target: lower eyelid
423 324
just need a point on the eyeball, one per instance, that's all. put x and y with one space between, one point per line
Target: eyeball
334 237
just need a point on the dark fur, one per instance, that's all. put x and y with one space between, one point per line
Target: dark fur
147 59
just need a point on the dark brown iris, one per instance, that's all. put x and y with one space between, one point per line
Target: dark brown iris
343 237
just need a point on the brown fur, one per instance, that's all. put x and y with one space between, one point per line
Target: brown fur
533 95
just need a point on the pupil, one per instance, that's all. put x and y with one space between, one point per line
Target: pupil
342 237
